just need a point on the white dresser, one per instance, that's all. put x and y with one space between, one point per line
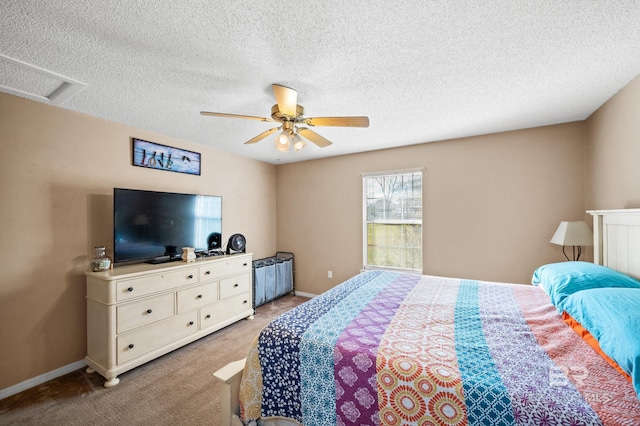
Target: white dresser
136 313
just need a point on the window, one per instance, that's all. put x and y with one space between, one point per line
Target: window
393 220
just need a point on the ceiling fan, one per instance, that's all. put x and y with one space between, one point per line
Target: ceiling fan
290 115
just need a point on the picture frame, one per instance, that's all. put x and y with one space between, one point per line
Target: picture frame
153 155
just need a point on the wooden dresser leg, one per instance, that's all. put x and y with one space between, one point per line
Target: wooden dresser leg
111 383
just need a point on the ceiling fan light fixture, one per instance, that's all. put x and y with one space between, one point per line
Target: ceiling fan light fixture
284 137
298 143
283 141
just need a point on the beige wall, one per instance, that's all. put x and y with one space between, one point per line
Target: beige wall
613 151
491 204
57 173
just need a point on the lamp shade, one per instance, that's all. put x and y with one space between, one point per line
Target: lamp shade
573 234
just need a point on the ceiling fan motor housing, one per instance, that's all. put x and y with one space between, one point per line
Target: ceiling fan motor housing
277 115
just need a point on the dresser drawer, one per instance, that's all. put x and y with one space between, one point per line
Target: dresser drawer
136 287
197 296
136 314
225 267
225 309
234 285
146 339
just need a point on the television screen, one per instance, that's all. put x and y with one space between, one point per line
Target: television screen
154 226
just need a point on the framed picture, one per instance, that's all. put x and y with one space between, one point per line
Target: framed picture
156 156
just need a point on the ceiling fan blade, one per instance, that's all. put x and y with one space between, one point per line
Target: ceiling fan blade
261 136
338 121
222 114
286 98
321 141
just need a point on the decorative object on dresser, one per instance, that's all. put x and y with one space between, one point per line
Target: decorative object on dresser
188 254
101 261
576 234
136 313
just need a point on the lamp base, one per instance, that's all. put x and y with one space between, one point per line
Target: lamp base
577 252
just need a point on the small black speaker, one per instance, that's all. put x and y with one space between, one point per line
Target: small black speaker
214 241
237 243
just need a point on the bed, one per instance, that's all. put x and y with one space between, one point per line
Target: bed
392 348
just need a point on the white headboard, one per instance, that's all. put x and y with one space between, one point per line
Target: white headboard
616 239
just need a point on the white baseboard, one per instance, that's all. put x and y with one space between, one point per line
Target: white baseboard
309 295
43 378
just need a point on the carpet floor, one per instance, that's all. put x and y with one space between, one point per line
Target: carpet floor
175 389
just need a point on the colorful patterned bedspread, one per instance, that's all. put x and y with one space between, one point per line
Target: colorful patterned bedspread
386 348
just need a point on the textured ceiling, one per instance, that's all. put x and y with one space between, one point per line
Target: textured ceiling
422 70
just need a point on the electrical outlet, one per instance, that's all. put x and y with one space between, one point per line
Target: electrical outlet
329 274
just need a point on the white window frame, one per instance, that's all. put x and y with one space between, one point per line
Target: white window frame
365 253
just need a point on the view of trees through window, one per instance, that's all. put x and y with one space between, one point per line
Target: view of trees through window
394 220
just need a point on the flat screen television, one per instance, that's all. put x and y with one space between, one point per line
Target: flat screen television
151 226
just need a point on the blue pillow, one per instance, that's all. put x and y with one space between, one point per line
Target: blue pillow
560 280
612 316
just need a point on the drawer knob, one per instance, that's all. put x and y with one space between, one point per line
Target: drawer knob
199 296
130 346
190 322
236 285
208 273
189 276
130 289
207 317
149 311
244 264
244 302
